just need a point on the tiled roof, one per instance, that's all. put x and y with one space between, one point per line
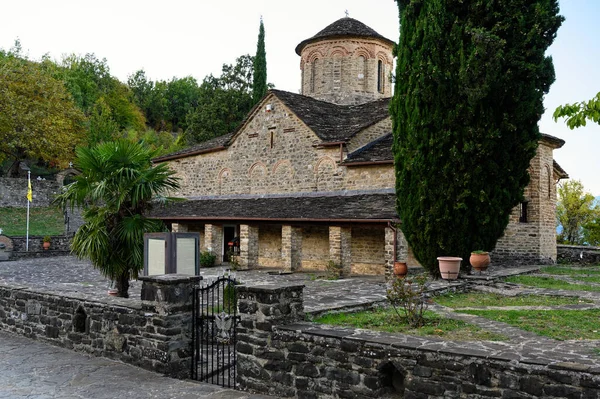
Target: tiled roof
332 122
217 142
364 207
345 27
379 150
559 170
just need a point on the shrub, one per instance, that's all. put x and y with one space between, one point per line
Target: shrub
405 295
207 259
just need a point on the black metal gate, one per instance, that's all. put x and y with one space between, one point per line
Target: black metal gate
213 339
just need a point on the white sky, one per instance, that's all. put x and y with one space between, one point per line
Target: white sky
186 37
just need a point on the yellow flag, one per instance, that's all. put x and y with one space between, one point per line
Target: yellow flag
29 192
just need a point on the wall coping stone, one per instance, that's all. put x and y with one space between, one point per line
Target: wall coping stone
584 247
485 350
168 279
269 288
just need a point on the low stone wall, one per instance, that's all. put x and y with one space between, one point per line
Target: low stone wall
153 333
17 247
573 254
13 192
306 360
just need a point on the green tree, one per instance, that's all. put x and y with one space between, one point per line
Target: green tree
181 99
576 209
578 114
38 118
259 83
470 80
223 102
116 188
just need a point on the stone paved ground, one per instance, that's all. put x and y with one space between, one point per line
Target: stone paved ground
35 370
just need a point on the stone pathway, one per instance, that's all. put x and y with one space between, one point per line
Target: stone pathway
35 370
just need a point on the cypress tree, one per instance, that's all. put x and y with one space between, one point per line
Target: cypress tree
259 83
470 80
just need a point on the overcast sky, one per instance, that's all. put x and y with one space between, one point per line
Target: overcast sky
195 37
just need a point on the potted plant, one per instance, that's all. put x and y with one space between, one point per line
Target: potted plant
449 267
400 269
46 243
480 260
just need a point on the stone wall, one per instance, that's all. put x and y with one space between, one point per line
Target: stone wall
13 192
578 254
275 154
534 241
154 333
368 250
16 247
315 247
269 246
345 71
279 356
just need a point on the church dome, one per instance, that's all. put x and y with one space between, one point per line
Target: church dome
344 27
347 63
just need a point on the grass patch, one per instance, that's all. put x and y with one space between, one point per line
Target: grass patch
387 320
480 299
42 221
556 324
570 271
551 283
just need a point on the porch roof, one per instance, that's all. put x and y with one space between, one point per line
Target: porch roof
365 208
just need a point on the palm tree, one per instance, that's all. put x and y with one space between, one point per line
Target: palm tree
117 185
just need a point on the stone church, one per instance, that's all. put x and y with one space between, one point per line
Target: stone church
309 178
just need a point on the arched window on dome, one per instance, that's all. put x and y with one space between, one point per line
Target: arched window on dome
313 75
380 76
362 71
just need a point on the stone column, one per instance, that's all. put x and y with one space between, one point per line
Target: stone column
168 300
179 228
213 239
340 247
291 247
389 252
261 309
248 246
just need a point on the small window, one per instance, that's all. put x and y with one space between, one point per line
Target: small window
272 138
523 212
313 77
380 77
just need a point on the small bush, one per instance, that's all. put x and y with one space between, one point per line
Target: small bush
334 270
406 295
207 259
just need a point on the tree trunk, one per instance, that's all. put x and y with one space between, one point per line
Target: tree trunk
123 285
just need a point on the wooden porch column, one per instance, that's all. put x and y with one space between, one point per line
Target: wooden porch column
291 247
340 247
248 246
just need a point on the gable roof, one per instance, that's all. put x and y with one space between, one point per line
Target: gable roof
330 122
344 27
378 151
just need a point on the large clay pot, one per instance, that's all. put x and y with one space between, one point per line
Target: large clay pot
46 245
400 269
449 267
480 261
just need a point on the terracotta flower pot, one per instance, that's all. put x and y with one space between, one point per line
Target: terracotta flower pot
449 267
113 292
400 269
480 261
46 245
